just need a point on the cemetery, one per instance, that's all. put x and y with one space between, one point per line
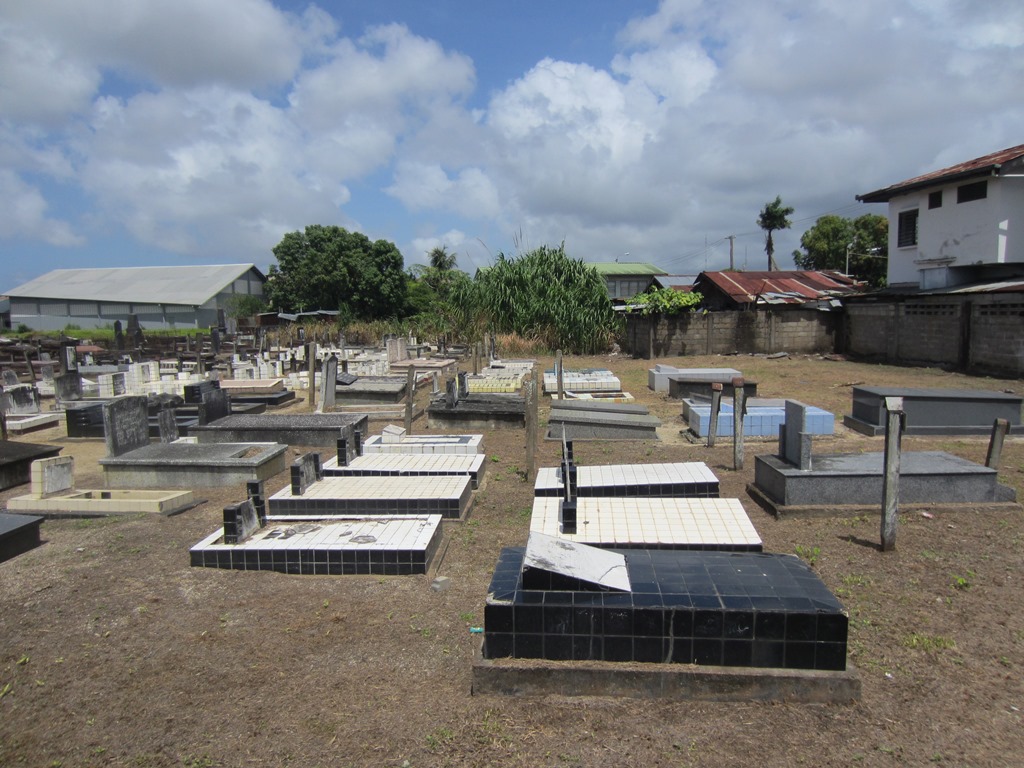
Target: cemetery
617 558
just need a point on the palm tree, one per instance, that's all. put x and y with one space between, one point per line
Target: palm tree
440 259
773 216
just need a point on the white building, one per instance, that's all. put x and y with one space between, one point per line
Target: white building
161 297
958 225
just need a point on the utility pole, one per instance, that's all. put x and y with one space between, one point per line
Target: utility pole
732 244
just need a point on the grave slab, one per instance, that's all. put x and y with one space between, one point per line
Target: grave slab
16 461
838 480
652 523
306 429
600 425
716 609
550 560
589 380
478 411
410 465
682 387
448 496
184 465
658 377
372 389
325 546
682 479
935 411
426 444
18 534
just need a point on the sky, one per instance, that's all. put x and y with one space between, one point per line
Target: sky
153 133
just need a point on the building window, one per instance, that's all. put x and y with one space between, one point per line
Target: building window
935 199
970 192
906 234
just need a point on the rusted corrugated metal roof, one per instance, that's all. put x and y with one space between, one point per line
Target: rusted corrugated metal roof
986 165
796 287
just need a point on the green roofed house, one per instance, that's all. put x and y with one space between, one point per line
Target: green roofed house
626 279
160 297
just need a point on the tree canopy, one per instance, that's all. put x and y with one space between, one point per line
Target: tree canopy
328 267
774 216
865 239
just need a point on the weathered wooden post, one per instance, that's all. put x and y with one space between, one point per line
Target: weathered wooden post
894 423
531 429
995 445
311 367
558 374
476 358
716 404
738 393
410 396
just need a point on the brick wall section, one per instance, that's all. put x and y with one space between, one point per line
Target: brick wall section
980 333
796 330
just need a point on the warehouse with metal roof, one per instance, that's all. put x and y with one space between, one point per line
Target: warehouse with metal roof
160 297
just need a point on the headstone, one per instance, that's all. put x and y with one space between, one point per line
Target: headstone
118 336
69 358
328 383
44 357
794 437
67 387
240 522
215 340
995 444
10 378
435 383
216 404
134 332
46 372
304 472
463 381
451 393
168 421
254 489
125 424
52 476
21 400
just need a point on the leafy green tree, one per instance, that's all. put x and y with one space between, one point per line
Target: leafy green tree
328 267
774 216
666 301
245 305
833 239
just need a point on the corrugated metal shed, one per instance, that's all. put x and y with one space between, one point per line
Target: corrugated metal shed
190 286
795 287
986 165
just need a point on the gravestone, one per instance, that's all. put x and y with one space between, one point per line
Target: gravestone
328 383
53 476
215 340
168 423
215 405
451 393
67 387
794 438
46 372
463 383
305 471
21 400
118 336
69 358
134 331
240 522
10 378
125 424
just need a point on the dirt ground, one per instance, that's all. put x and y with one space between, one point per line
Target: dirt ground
113 651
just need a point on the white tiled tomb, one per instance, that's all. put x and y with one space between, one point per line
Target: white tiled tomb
402 465
686 479
427 444
446 495
652 523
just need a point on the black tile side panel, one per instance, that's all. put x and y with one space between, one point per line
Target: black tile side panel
712 608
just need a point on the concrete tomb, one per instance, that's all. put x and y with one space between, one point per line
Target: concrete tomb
54 495
460 409
18 534
20 400
607 422
409 465
370 389
16 460
796 480
659 376
394 442
588 380
305 429
682 479
935 411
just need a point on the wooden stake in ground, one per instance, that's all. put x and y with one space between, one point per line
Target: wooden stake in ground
410 396
716 405
738 393
895 420
311 366
995 445
531 429
558 373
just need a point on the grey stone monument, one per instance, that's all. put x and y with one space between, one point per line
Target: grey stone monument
125 424
168 421
794 439
216 405
328 384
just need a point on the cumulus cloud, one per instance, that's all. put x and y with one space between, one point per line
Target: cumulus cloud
24 214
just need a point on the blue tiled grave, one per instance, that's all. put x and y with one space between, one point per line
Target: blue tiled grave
705 608
759 421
